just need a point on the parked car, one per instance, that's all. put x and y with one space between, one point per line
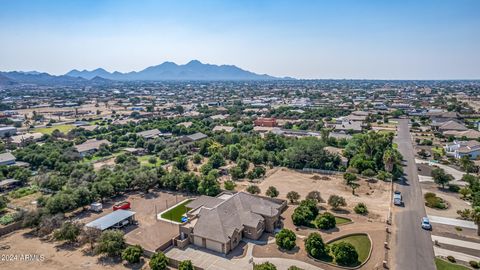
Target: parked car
426 224
122 205
397 198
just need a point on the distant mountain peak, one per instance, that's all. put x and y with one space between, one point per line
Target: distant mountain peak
191 71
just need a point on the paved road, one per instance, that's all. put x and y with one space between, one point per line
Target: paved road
413 247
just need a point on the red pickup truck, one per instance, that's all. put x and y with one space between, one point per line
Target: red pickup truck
122 205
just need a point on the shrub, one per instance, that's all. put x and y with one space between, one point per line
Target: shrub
285 239
451 259
454 188
325 221
253 189
293 196
315 246
314 195
132 254
185 265
158 261
474 264
293 267
272 192
349 177
229 185
368 173
264 266
361 209
345 253
432 201
336 201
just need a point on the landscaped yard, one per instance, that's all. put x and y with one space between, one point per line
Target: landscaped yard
176 213
49 130
342 220
361 242
444 265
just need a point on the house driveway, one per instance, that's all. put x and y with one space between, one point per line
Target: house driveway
241 259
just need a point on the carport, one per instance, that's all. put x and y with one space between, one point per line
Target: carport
117 218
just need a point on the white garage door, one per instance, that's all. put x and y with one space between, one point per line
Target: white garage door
197 241
214 246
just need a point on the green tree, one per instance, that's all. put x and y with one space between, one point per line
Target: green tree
285 239
69 231
264 266
103 189
132 254
476 218
185 265
351 181
315 195
325 221
229 185
361 209
111 242
293 196
158 261
216 160
336 201
315 246
272 192
440 177
345 254
181 163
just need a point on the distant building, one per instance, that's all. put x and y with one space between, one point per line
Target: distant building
7 159
89 147
23 139
147 134
458 149
223 128
265 122
7 131
194 137
452 125
349 126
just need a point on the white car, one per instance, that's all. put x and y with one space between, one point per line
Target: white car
426 224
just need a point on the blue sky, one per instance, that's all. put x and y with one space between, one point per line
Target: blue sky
394 39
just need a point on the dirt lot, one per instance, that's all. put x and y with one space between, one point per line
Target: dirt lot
375 195
149 233
55 256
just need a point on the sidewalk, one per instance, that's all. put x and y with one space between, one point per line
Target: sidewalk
459 256
456 242
453 222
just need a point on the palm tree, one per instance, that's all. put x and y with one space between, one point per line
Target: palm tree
476 218
389 160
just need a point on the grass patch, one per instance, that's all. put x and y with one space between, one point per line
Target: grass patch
342 220
444 265
22 192
176 213
144 161
48 130
361 242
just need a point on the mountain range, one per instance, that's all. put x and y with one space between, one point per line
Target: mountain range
192 71
167 71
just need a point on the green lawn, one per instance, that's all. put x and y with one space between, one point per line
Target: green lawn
176 213
361 242
49 130
342 220
144 161
444 265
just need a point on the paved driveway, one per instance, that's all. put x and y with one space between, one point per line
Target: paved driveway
453 222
